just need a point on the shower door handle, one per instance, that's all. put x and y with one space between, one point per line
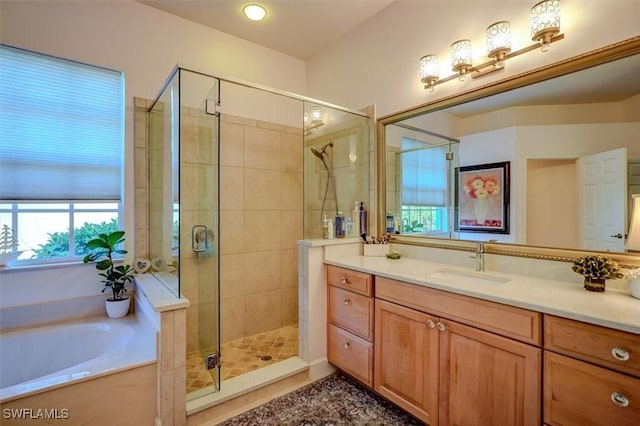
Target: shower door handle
199 233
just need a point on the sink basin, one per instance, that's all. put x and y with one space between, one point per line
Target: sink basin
463 277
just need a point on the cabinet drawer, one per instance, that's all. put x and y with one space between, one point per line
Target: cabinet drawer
351 311
615 349
351 354
516 323
581 394
351 280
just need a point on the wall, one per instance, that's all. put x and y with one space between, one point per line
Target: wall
378 63
146 44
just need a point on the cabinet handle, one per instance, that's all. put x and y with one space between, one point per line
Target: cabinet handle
619 399
347 345
347 301
441 326
431 324
344 280
620 354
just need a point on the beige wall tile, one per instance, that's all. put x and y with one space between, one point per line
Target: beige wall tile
292 184
231 145
290 268
263 230
263 311
232 312
231 188
232 231
289 306
193 327
263 271
179 338
292 153
232 275
262 148
262 189
167 347
291 228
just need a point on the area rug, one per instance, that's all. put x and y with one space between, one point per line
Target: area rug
333 400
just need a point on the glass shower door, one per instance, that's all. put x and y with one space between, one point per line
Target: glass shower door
199 227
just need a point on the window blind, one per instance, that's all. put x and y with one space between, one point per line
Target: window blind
61 128
424 176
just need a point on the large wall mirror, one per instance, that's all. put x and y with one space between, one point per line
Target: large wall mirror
555 151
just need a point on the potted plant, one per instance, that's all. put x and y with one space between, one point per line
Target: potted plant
596 270
116 278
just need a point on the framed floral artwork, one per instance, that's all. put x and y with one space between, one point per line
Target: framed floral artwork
482 198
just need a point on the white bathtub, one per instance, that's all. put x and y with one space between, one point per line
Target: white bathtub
35 359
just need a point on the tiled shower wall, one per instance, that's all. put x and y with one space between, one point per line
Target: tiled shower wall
261 181
261 184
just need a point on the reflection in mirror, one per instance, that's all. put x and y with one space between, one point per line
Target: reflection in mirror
573 143
419 172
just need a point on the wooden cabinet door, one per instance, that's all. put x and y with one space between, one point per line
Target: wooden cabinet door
406 359
487 379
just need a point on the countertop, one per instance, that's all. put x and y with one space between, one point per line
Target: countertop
613 308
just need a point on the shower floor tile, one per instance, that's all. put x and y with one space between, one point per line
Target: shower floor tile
243 355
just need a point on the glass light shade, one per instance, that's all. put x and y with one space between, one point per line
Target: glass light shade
315 115
461 55
255 12
545 20
633 238
499 39
429 70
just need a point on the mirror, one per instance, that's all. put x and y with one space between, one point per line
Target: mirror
554 127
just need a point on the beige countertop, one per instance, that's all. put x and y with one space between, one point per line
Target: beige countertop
613 308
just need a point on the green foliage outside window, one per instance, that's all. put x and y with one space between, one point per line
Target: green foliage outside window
58 243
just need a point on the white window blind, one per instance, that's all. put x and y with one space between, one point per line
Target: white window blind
424 175
61 128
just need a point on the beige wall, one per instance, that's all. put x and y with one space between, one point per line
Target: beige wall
378 63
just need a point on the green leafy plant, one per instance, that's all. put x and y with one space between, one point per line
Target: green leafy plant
597 267
101 253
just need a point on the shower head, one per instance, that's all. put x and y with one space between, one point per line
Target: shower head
322 152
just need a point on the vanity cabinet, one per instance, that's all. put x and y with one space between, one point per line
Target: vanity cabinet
591 374
350 325
454 360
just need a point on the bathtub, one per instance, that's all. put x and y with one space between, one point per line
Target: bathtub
36 359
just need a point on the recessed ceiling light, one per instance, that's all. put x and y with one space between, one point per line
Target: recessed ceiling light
255 12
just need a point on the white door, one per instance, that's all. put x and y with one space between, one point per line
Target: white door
602 180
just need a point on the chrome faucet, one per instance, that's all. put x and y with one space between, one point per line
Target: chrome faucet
479 256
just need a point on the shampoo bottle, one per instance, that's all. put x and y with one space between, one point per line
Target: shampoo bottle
325 227
390 223
363 219
330 229
355 219
339 225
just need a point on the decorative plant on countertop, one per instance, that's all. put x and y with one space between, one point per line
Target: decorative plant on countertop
596 269
115 277
8 242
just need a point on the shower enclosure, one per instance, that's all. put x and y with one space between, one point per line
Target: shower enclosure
237 175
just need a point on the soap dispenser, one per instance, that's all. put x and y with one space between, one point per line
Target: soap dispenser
363 219
325 227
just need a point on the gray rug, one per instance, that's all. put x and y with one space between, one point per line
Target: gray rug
333 400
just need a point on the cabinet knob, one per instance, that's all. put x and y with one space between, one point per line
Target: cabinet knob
431 324
441 326
347 345
347 301
619 399
344 280
620 354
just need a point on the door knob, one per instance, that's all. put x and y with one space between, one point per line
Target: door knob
618 236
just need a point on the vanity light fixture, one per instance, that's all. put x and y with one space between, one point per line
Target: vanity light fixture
633 238
545 29
255 12
461 57
545 22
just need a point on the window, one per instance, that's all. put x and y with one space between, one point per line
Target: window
424 187
61 152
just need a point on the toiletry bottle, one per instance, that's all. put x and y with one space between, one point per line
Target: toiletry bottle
330 229
339 225
325 227
355 218
390 226
348 227
363 219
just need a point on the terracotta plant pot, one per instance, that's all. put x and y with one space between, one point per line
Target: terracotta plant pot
594 284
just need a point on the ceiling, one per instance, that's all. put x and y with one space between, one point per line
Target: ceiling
299 28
